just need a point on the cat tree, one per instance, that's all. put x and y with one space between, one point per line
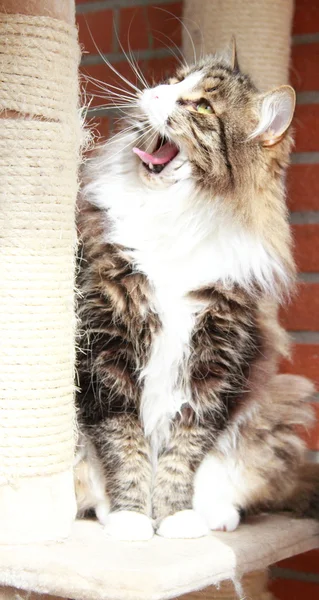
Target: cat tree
42 550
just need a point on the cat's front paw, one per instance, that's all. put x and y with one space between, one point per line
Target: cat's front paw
128 525
183 524
223 517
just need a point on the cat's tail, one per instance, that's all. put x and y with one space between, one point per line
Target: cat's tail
304 501
290 412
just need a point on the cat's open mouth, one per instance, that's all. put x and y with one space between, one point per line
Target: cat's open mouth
164 152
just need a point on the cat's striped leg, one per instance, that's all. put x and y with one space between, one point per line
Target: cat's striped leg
124 454
174 483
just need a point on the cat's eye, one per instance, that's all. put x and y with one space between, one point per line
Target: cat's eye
204 108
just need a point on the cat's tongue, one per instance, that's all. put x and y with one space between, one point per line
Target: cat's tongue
160 157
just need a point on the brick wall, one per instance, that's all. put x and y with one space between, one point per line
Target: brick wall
152 35
298 578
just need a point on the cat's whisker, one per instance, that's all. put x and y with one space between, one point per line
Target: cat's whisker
131 121
138 139
113 100
112 93
121 135
110 66
144 82
118 137
106 87
133 64
151 141
184 27
121 93
141 75
113 97
141 140
181 59
124 79
114 106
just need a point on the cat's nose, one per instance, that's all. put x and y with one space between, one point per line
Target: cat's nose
157 93
158 103
152 98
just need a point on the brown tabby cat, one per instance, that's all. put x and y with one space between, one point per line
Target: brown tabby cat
185 252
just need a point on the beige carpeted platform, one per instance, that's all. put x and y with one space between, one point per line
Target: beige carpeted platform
88 566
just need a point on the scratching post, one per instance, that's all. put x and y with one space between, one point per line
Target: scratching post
39 140
262 29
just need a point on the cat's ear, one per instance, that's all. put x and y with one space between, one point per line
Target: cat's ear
230 55
276 112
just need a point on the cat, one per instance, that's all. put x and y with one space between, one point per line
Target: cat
185 253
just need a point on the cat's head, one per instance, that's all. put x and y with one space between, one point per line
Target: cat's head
210 123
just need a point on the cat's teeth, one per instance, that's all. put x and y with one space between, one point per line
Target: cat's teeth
150 166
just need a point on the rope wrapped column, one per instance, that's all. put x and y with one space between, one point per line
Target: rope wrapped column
262 30
39 154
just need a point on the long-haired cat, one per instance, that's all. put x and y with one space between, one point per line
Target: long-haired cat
185 251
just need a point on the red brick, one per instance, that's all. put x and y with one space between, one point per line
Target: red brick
306 247
304 70
134 29
302 313
100 24
305 361
306 17
166 29
303 187
158 69
306 124
294 590
311 434
306 563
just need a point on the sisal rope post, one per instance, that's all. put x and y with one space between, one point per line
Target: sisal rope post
39 155
262 30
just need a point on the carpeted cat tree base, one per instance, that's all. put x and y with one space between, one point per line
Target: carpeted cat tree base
88 566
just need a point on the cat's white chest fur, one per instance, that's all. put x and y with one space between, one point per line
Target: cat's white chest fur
166 379
182 242
174 268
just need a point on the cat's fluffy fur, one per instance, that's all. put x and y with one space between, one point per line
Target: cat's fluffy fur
184 421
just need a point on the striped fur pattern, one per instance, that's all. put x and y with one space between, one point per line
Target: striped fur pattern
184 421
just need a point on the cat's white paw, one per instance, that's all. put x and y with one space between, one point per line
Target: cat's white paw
128 525
223 517
216 492
183 524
